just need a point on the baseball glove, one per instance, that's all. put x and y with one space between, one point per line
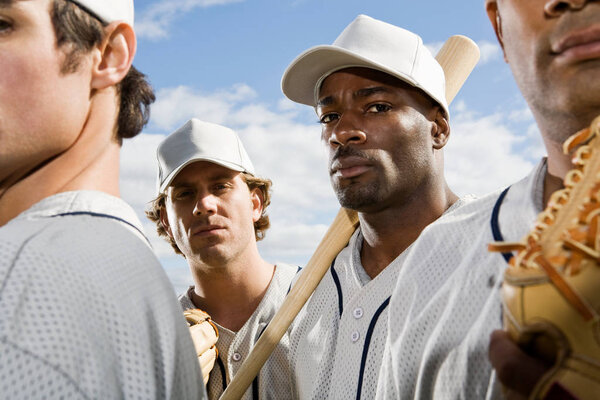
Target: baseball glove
551 289
204 335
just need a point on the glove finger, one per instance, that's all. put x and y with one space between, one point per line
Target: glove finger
207 362
195 316
203 336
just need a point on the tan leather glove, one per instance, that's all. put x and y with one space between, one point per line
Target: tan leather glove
204 335
551 289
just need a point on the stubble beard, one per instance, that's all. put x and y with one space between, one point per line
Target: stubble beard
358 197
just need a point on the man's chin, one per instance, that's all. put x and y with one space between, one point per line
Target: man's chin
358 199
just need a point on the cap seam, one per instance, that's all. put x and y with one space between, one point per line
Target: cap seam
414 63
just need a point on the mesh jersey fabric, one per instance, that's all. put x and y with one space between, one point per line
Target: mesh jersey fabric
86 311
447 300
234 347
337 340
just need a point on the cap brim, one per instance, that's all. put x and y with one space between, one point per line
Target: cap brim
173 174
300 79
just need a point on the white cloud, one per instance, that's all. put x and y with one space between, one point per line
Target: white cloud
490 51
154 21
485 154
176 105
292 243
521 115
434 47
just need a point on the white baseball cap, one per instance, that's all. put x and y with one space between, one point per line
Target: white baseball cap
368 43
109 10
200 141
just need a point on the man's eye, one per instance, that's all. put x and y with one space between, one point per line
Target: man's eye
379 108
327 118
183 195
5 25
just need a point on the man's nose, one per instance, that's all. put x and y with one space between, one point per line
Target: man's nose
554 8
346 132
205 204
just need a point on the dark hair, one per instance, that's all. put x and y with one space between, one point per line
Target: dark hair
156 206
77 32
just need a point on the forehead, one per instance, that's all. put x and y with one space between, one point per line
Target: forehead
363 83
365 74
7 3
203 171
355 78
27 5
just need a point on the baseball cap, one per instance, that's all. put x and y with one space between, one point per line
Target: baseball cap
109 10
368 43
200 141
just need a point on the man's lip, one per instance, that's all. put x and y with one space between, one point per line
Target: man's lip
580 44
206 230
350 167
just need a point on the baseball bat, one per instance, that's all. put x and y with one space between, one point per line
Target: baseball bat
458 57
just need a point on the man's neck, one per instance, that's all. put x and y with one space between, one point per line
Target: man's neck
388 233
91 163
231 293
557 127
558 166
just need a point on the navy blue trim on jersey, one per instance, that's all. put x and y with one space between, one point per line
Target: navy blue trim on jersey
496 225
223 373
338 286
100 215
292 283
363 361
255 388
255 393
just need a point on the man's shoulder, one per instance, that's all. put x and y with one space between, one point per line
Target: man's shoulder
472 215
66 236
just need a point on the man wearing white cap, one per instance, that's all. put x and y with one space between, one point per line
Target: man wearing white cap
211 207
86 311
380 97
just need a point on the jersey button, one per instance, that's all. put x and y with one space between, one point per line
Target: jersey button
236 356
358 313
355 336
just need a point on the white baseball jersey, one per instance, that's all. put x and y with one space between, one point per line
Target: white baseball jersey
273 382
337 340
447 301
86 311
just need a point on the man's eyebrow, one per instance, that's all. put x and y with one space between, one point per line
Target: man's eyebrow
177 185
6 3
325 101
366 92
211 179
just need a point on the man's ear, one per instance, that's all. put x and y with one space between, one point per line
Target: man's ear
114 56
164 220
256 196
491 6
440 131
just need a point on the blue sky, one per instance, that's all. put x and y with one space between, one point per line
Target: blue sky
222 61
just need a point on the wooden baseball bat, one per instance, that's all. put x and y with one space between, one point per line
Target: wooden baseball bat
458 57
